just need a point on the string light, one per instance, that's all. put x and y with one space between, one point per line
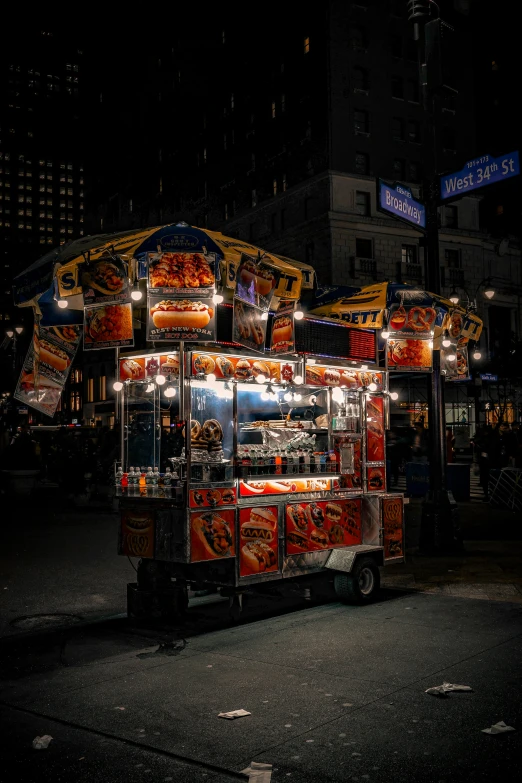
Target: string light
451 357
394 396
298 379
477 354
136 294
298 315
117 386
217 298
160 379
150 387
287 396
372 387
446 343
260 378
63 303
385 334
211 378
170 391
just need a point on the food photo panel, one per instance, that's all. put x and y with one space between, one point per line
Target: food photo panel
249 326
180 318
282 337
105 280
258 533
182 274
212 535
107 326
256 282
409 355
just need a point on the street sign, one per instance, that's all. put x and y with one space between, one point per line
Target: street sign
487 376
398 201
478 173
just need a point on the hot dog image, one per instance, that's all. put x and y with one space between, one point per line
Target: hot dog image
297 539
257 557
334 512
320 538
214 534
53 356
314 376
132 369
297 516
262 278
260 527
170 313
282 330
376 478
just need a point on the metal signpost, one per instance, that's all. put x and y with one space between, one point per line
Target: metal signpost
478 173
398 201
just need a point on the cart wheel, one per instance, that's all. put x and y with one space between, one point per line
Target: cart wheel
361 586
235 607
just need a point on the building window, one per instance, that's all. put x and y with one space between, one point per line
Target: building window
224 141
232 100
409 254
306 45
415 172
274 187
103 387
364 248
397 87
358 38
253 198
399 167
75 401
413 131
360 79
283 103
449 138
90 389
362 163
451 217
362 203
273 109
284 183
309 252
397 129
452 258
396 45
205 154
361 121
412 90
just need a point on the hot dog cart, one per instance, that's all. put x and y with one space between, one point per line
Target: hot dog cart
278 472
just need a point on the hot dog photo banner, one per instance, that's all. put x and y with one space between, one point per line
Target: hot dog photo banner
182 274
107 326
180 318
258 535
409 355
249 327
256 282
105 281
317 375
212 535
282 336
375 429
322 524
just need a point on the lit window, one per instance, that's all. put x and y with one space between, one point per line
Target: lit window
62 204
254 198
62 191
69 231
205 154
69 165
284 182
21 225
232 100
103 387
42 215
69 191
306 45
273 109
62 230
274 187
69 217
90 390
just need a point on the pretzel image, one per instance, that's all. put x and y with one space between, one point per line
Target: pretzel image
421 318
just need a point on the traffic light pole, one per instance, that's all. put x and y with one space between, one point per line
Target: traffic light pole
439 523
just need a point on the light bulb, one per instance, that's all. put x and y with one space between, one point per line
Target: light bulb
446 343
160 379
394 396
136 294
170 391
337 395
489 292
211 377
264 316
477 355
364 366
298 379
117 385
10 333
372 387
265 396
287 396
19 329
273 397
63 303
298 315
451 357
260 378
150 387
217 298
385 334
298 397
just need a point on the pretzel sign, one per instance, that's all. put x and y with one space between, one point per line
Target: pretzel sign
420 319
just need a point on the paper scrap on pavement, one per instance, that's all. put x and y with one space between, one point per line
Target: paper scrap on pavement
447 687
498 728
234 714
41 743
258 772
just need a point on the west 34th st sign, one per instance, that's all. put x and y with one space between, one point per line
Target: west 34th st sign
398 201
478 173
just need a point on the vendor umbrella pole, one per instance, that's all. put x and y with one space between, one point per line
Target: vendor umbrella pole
439 524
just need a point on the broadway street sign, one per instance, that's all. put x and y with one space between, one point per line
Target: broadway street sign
397 200
479 172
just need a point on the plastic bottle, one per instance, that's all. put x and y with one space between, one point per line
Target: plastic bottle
322 457
155 482
278 463
306 463
148 480
118 479
167 483
125 484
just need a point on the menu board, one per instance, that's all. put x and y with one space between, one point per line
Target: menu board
105 281
375 478
212 497
409 355
416 321
182 274
282 339
137 533
374 429
41 382
258 534
350 481
249 327
212 535
322 524
392 516
256 282
258 487
143 367
240 368
180 318
317 375
107 326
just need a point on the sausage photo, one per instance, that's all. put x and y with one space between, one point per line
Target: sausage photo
169 314
53 356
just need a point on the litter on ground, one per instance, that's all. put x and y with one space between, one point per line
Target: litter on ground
234 714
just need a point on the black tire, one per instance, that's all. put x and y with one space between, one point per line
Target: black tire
361 585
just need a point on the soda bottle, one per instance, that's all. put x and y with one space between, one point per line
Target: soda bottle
118 479
148 480
167 483
155 482
131 480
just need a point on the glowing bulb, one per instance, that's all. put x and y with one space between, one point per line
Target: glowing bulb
150 387
298 379
364 366
298 315
337 395
63 303
217 298
489 292
211 377
446 343
117 385
264 316
170 391
273 397
160 379
477 355
287 396
265 396
385 334
260 378
451 357
394 396
136 294
298 397
372 387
